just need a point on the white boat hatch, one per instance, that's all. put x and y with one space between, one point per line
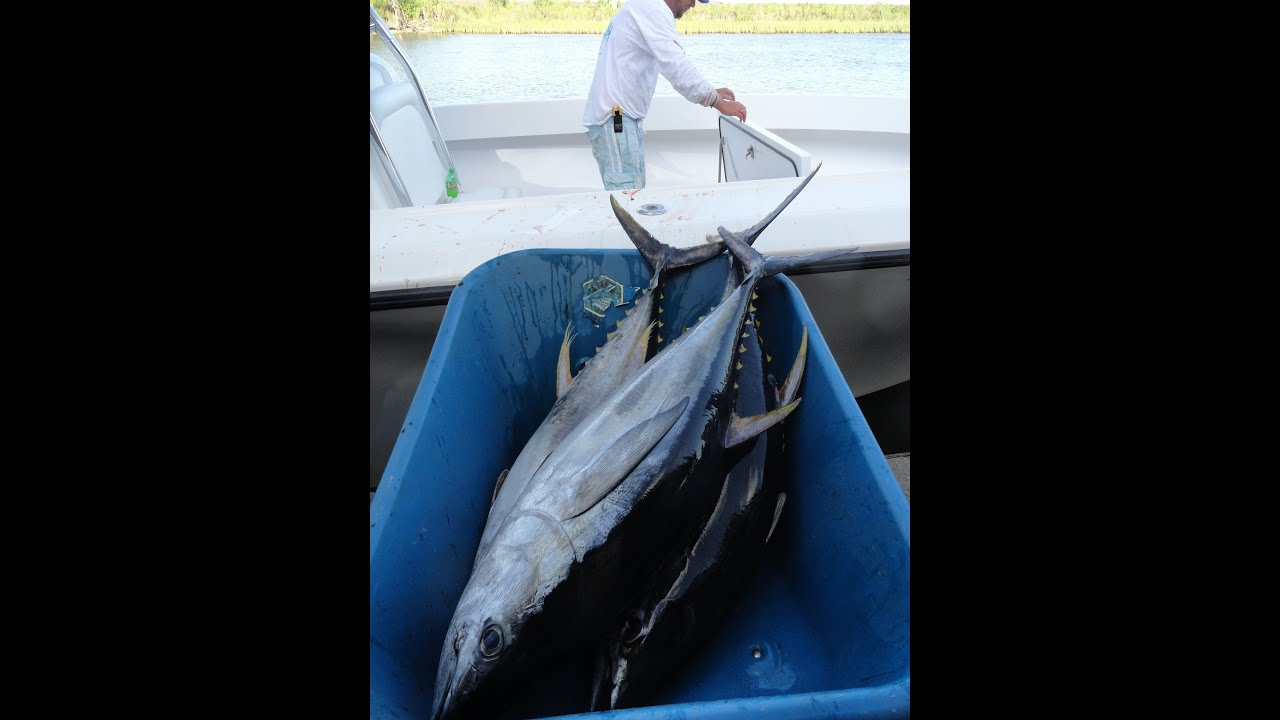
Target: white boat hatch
750 152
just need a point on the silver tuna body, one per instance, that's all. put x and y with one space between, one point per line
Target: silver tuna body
614 364
685 598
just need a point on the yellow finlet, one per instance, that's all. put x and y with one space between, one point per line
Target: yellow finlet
659 323
742 348
659 309
739 365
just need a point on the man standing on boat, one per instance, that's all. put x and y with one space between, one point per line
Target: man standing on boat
639 43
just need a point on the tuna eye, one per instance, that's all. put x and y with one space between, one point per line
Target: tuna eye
491 641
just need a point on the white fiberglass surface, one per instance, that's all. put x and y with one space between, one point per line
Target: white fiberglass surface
437 246
842 152
558 164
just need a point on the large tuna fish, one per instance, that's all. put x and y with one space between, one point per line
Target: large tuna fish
686 598
636 478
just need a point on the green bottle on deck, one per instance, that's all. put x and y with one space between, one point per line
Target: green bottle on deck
451 184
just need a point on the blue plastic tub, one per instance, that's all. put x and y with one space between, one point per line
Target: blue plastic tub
829 609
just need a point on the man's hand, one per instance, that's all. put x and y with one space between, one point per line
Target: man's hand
726 93
728 106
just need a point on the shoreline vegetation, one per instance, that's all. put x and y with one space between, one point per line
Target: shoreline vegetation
591 17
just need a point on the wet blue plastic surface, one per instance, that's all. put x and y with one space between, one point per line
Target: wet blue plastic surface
829 608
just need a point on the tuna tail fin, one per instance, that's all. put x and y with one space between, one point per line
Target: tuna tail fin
750 234
659 255
763 265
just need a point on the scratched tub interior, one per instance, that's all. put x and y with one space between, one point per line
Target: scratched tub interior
824 628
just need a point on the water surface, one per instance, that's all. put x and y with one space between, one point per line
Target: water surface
457 69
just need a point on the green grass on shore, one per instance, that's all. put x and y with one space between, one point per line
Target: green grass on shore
591 18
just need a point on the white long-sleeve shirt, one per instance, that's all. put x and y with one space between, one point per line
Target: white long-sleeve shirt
639 43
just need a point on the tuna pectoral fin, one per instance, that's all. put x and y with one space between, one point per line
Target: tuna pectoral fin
743 429
563 374
613 464
498 486
791 385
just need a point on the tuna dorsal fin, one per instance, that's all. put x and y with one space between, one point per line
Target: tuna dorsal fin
791 385
498 485
743 429
614 463
563 373
777 512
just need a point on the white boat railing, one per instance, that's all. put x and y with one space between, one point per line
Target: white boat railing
380 148
378 27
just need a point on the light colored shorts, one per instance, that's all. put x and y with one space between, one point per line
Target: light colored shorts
619 155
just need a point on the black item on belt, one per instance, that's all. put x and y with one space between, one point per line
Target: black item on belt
617 119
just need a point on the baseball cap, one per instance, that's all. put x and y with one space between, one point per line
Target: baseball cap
704 1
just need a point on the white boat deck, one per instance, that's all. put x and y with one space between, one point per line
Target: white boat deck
437 245
558 164
540 148
529 180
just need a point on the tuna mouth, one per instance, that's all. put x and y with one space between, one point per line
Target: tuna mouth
457 694
443 701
